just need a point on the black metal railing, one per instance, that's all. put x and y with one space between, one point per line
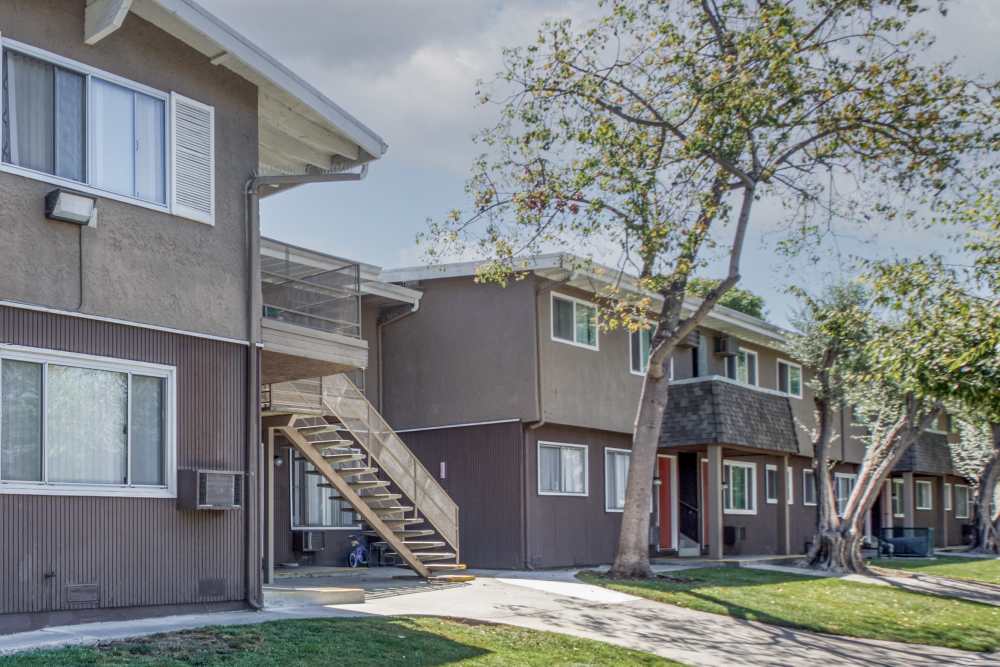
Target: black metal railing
689 524
324 298
913 542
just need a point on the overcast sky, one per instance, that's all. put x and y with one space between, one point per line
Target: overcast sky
408 70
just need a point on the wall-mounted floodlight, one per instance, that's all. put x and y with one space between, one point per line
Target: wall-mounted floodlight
67 206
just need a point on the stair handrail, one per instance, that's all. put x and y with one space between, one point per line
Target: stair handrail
394 458
384 445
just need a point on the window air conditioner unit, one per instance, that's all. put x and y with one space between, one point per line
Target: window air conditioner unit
209 490
726 346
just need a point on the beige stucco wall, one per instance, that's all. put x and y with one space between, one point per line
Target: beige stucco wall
138 265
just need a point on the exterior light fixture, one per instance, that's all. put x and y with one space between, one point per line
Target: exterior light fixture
68 206
279 461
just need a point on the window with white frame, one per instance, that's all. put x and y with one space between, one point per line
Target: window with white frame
963 501
791 485
615 478
789 378
639 346
562 469
314 505
843 486
75 424
771 483
574 321
924 492
72 125
740 495
947 498
743 367
897 498
808 486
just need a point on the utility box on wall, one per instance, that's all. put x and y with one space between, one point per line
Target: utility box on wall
209 490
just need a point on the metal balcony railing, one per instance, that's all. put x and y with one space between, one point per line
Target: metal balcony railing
324 298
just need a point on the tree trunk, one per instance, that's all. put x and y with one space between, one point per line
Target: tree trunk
632 556
838 550
987 540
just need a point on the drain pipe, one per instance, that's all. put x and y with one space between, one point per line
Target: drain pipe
252 546
379 357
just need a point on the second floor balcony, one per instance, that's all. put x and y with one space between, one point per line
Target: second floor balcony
311 315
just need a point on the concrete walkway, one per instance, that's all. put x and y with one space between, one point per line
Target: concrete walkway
557 602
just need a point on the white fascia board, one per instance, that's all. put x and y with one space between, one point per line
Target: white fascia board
591 280
393 292
236 47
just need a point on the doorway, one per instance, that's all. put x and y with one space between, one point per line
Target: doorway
667 502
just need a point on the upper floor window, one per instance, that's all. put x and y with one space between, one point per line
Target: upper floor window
83 128
71 424
574 321
789 378
639 347
562 469
742 367
78 127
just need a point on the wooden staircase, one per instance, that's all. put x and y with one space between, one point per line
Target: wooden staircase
365 464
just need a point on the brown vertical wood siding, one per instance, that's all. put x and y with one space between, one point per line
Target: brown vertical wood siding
483 475
138 552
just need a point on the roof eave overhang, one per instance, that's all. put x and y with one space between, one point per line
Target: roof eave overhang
300 128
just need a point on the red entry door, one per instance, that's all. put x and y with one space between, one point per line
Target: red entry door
666 503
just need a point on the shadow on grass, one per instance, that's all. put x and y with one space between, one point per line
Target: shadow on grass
351 641
825 605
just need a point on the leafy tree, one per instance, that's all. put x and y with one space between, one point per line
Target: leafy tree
956 345
652 133
736 298
843 340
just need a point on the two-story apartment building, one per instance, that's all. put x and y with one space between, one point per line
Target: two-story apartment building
524 410
137 138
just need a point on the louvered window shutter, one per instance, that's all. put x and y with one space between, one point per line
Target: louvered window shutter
192 174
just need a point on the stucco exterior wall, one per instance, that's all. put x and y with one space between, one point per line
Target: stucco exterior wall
466 356
137 264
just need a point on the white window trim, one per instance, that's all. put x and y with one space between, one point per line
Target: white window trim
965 511
168 373
843 475
791 485
930 494
806 472
609 450
948 501
586 468
768 468
752 467
291 507
88 72
756 365
552 322
777 377
897 482
642 374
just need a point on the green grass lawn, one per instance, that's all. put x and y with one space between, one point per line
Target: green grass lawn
955 567
823 604
384 642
